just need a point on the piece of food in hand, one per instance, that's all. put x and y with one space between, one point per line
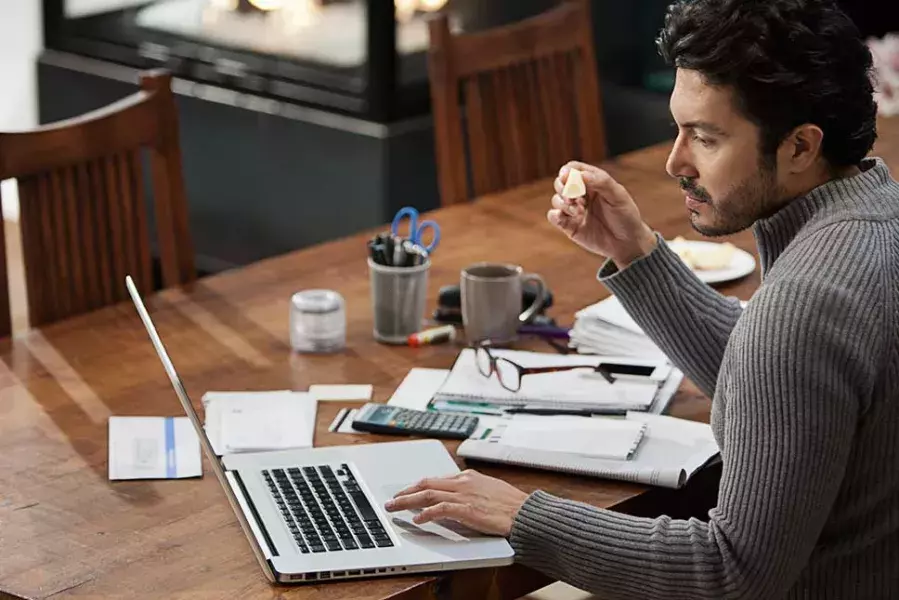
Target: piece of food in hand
714 257
574 186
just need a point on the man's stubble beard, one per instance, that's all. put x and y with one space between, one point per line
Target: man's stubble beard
750 201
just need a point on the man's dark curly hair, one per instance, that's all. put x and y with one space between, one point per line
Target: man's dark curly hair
789 62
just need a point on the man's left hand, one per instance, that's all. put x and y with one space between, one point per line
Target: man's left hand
483 503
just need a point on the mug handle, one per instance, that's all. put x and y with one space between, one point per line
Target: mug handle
538 302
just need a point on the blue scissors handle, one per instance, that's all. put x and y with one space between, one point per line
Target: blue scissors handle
435 235
403 213
416 230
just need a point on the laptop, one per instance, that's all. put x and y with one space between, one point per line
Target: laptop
317 514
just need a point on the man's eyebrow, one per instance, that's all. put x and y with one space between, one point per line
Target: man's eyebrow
705 126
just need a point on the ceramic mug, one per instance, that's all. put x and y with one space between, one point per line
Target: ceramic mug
491 301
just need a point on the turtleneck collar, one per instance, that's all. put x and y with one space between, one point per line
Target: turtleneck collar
857 196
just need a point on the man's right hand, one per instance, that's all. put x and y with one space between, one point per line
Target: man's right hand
605 221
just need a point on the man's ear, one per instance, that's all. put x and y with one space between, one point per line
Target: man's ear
801 149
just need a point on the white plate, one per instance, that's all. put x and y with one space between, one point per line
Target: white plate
741 265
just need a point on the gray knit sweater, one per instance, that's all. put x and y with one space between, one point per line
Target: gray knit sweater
805 388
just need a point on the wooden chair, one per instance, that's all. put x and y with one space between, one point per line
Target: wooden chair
531 101
83 216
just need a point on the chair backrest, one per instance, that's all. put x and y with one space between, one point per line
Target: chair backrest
83 216
523 98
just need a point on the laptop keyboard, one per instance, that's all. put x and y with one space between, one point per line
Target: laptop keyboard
325 509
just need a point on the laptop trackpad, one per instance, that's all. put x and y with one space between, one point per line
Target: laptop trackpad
447 529
403 522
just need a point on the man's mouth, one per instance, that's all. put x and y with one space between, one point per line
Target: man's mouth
693 198
695 195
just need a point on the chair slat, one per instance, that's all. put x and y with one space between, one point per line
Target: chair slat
477 136
110 168
51 271
141 227
79 296
61 243
103 230
88 238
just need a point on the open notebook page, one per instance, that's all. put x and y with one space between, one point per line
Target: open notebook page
607 438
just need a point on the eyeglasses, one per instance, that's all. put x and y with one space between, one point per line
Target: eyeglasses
510 373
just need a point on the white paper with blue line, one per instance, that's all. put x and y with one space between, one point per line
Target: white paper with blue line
153 448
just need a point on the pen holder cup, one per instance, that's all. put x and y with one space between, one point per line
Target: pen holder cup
398 297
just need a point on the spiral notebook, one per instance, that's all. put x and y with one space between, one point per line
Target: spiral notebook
670 451
615 439
577 389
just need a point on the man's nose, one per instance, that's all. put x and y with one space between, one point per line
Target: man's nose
680 160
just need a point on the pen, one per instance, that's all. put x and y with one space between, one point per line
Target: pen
552 412
544 331
474 408
415 254
389 251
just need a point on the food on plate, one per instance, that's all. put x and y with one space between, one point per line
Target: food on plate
704 257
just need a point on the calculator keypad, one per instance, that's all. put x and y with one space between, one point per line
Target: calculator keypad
415 422
433 422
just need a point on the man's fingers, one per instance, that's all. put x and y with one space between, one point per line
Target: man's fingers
446 510
418 500
558 186
567 224
596 179
610 190
571 207
575 164
436 483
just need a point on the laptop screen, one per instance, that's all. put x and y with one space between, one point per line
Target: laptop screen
198 427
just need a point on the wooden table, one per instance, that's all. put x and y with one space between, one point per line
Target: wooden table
66 531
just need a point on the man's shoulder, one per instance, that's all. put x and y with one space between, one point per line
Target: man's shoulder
848 253
842 271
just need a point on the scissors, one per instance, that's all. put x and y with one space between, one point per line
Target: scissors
416 229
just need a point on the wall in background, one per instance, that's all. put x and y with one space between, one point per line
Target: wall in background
20 43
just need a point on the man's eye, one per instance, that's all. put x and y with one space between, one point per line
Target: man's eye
705 142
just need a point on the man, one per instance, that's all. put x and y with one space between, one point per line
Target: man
773 103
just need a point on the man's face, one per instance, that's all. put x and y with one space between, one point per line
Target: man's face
717 159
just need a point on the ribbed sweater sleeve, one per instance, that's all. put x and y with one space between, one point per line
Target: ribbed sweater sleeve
686 318
803 358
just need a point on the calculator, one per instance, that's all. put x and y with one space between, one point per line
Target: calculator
380 418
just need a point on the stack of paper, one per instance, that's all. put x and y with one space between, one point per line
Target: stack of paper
259 421
607 328
670 452
577 389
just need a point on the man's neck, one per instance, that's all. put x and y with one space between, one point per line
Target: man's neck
820 176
